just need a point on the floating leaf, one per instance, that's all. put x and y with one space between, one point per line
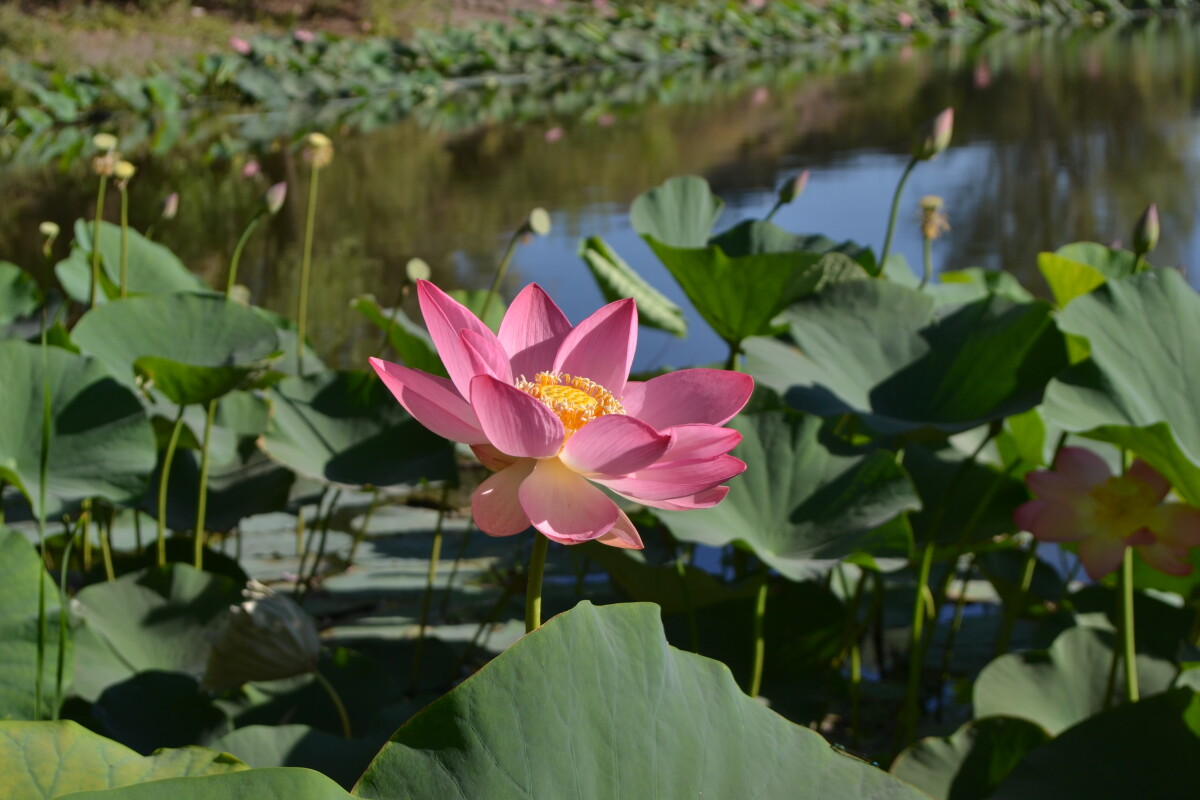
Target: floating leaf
617 279
680 213
681 727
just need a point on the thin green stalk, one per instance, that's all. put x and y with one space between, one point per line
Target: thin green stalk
500 272
1012 612
362 529
325 521
237 252
492 616
60 667
1111 684
693 628
533 591
916 651
731 361
927 273
105 532
43 471
86 517
300 550
202 497
435 555
137 531
891 228
1139 263
95 289
306 271
124 239
337 702
162 487
304 546
760 640
458 557
960 604
774 210
1127 632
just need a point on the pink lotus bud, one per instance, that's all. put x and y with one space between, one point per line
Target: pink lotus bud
905 20
936 136
304 36
1145 233
240 45
554 134
274 197
793 188
251 169
169 206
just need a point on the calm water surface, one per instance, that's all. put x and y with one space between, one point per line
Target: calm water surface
1060 136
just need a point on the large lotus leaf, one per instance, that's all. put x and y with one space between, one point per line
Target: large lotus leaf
19 293
20 571
151 267
802 497
596 704
1144 749
754 236
882 352
973 283
156 709
616 280
1140 386
410 341
156 619
200 345
344 427
335 756
971 763
101 443
739 297
45 760
1064 685
278 783
680 213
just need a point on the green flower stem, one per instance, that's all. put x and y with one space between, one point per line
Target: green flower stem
300 549
774 210
306 271
362 529
916 650
891 228
501 271
1127 632
458 557
303 546
105 533
693 629
95 289
43 472
1012 612
316 566
1139 263
124 239
202 496
760 642
510 589
86 518
337 702
731 361
533 591
927 273
435 555
60 668
960 604
163 479
237 252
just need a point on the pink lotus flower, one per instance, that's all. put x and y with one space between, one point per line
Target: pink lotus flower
550 407
1081 501
240 45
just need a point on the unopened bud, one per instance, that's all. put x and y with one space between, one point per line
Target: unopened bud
169 206
1145 232
417 270
266 637
104 142
793 188
49 229
318 149
274 197
935 138
123 171
539 222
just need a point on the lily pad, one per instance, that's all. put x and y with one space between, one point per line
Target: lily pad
682 727
345 428
882 352
617 280
279 783
802 497
1139 388
680 213
45 760
101 443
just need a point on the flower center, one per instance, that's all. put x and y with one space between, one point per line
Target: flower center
575 401
1123 505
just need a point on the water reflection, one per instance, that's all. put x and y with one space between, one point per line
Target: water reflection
1060 136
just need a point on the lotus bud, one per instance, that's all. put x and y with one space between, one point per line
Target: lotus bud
935 138
417 270
104 142
267 637
169 206
318 149
1145 232
49 229
123 171
274 197
793 188
539 222
933 222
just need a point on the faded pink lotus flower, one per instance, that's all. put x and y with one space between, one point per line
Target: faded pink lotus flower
304 36
251 168
240 45
1082 501
549 406
905 20
554 134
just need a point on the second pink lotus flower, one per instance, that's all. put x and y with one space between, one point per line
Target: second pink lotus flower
550 407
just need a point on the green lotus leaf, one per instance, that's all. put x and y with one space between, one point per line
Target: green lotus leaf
46 760
1141 749
882 352
151 267
1139 388
680 213
19 293
333 755
802 497
617 279
101 443
1062 686
20 569
278 783
345 428
409 340
970 763
625 715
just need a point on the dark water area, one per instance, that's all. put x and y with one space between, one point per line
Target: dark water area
1061 135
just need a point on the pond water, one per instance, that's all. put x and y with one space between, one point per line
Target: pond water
1061 135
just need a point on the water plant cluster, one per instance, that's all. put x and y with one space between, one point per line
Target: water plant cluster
369 81
954 527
